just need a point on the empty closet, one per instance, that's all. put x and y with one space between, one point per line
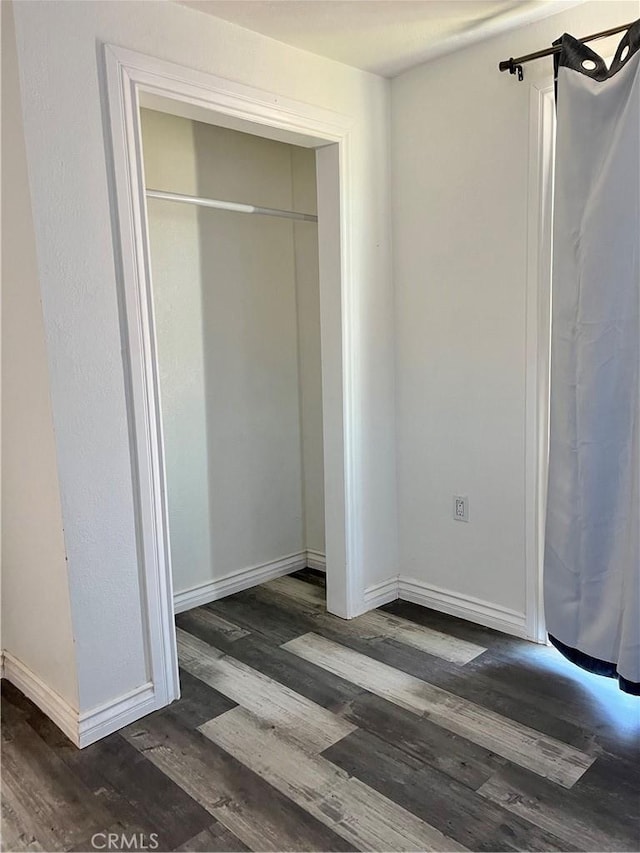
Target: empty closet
237 328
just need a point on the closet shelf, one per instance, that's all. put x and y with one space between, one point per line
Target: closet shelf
231 205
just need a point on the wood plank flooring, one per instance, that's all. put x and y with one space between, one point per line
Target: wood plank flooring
403 729
520 744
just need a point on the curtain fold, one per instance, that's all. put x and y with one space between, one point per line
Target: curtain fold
592 546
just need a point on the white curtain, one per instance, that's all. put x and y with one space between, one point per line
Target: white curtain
592 552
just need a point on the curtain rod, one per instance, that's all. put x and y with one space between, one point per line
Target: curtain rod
230 205
515 65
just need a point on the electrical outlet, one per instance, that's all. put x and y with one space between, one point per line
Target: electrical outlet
460 508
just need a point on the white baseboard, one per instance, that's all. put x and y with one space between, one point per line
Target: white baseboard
381 593
316 560
464 606
49 702
81 729
115 714
237 581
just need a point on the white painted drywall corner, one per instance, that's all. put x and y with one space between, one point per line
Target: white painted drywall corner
62 99
460 135
37 635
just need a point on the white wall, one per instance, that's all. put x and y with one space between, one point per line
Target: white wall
460 138
36 614
233 396
69 180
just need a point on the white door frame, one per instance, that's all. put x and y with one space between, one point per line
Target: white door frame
538 346
130 75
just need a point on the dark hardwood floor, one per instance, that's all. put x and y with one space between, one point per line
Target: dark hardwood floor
404 729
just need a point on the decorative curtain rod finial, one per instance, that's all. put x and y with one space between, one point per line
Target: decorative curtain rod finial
512 67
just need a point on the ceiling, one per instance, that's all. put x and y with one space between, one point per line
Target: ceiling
382 36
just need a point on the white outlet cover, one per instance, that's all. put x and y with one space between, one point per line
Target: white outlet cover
460 508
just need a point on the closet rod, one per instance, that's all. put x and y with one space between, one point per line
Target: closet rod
231 205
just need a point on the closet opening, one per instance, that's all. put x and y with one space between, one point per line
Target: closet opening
233 239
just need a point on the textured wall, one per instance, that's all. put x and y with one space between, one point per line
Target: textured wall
36 614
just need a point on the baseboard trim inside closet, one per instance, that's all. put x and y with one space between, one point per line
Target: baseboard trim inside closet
316 560
245 578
